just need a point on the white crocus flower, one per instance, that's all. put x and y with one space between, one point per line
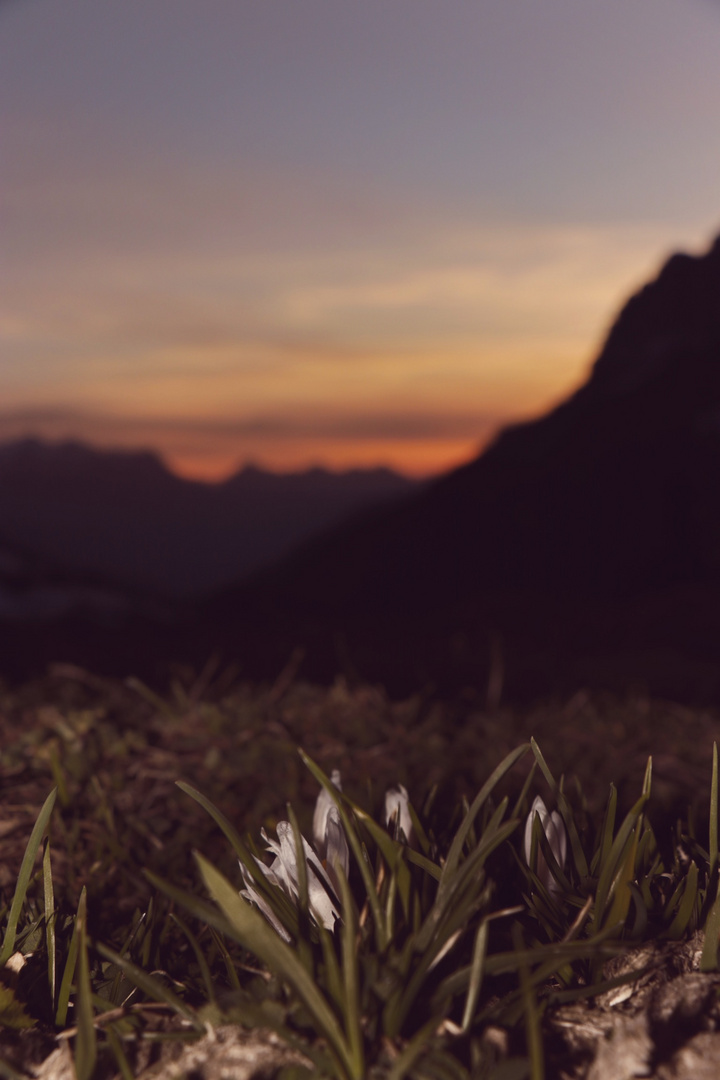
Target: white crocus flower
397 810
554 829
331 851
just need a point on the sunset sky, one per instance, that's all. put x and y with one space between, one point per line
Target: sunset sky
347 233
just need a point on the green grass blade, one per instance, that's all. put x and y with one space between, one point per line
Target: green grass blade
125 1070
23 880
199 956
412 1051
565 811
609 870
351 979
230 969
456 848
279 902
709 958
70 962
155 990
218 817
332 968
607 831
532 1015
476 974
647 780
620 888
251 930
714 813
357 849
679 925
86 1040
49 899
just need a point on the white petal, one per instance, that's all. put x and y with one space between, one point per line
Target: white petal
322 808
559 846
538 807
338 853
554 829
321 906
252 894
397 802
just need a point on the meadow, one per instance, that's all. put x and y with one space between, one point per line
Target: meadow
459 951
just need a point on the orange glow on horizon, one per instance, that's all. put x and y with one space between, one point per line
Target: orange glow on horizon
419 460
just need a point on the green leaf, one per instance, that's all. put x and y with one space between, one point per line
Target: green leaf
680 923
280 903
351 979
199 956
714 813
250 928
86 1041
476 974
49 897
620 886
532 1015
23 880
12 1011
357 849
154 988
609 870
709 959
70 962
566 813
456 848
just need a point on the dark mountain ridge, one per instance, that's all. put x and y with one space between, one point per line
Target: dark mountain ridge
564 540
124 516
582 548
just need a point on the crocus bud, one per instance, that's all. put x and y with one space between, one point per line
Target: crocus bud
323 806
397 807
554 829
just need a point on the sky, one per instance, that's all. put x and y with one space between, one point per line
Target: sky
298 232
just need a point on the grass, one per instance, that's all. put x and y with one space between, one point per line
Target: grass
123 929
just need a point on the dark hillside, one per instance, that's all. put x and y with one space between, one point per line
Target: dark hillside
565 539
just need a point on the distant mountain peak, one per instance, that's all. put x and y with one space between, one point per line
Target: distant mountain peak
670 317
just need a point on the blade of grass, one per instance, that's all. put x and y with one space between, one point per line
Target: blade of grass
709 958
121 1060
251 930
404 1062
532 1016
218 817
565 811
86 1040
276 898
357 850
620 887
456 848
156 990
609 870
70 962
303 946
23 879
713 831
49 900
351 979
222 948
476 974
679 925
199 956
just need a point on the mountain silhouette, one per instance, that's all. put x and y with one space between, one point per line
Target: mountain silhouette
583 545
580 549
123 516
